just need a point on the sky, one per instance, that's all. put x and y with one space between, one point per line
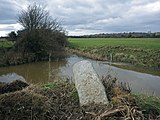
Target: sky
80 17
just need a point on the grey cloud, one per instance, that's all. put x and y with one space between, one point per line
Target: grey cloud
85 16
93 16
105 16
7 13
7 29
7 21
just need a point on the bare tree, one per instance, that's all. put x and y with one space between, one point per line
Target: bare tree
41 34
36 17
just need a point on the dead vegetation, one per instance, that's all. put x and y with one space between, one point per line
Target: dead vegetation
13 86
59 101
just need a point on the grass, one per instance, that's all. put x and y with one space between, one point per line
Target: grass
147 43
138 69
143 52
149 104
49 86
6 44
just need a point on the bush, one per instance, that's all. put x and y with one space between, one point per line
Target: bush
41 35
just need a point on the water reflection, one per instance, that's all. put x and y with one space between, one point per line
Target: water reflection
140 82
40 72
43 72
11 77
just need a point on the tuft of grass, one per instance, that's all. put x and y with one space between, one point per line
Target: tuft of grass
148 104
74 95
49 86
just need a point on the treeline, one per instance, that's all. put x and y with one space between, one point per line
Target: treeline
121 35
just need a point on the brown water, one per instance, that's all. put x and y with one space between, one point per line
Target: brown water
43 72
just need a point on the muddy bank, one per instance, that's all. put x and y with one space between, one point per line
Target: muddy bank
86 54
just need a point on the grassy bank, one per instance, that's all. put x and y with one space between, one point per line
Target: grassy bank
5 44
59 100
137 51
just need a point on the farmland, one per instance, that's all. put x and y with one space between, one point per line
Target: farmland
143 52
146 43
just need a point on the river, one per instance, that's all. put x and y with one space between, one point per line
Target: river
43 72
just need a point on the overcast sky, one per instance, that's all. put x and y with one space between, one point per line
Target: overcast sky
81 17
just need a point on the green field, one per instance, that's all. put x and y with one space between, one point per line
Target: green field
150 43
136 51
5 44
